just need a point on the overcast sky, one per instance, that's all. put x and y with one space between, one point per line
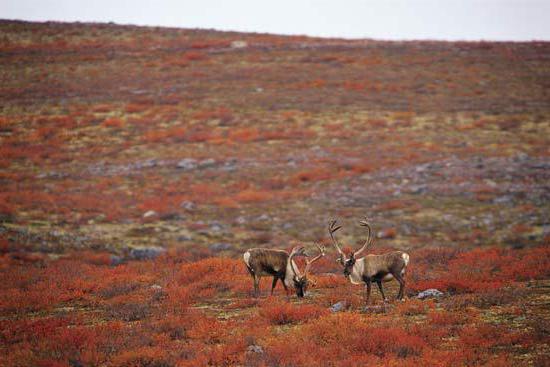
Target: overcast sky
380 19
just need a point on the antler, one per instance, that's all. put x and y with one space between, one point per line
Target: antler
331 229
309 262
298 250
368 242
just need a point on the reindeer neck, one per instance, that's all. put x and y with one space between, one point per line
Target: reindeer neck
289 274
356 276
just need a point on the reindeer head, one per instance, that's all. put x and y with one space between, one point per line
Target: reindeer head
348 263
300 281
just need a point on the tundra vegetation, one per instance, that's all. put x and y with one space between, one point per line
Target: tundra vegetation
138 164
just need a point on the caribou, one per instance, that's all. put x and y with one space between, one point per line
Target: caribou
371 268
281 266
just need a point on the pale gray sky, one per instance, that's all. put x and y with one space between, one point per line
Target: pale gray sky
380 19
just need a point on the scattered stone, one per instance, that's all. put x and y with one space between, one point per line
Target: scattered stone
149 163
188 205
172 216
422 167
7 218
340 306
239 44
263 217
116 260
187 164
506 199
418 189
100 218
146 253
156 287
150 213
220 246
230 165
521 157
255 349
207 163
430 293
241 220
184 238
216 227
376 309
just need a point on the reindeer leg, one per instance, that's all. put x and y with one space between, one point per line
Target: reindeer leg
256 286
379 282
368 291
274 284
401 281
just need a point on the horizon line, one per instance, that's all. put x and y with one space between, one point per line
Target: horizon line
284 34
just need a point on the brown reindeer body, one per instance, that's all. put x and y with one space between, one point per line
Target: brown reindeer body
280 265
379 267
372 268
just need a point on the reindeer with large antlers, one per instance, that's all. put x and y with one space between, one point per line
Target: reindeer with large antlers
281 266
371 268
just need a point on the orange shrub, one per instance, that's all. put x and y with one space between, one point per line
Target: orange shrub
281 313
413 307
316 174
135 107
252 196
114 122
194 56
143 357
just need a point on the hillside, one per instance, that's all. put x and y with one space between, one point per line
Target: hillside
119 143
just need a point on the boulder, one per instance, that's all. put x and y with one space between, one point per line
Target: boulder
146 253
338 307
255 349
149 214
220 246
429 293
187 164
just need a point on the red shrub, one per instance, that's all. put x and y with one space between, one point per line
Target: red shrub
114 122
281 313
252 196
316 174
143 357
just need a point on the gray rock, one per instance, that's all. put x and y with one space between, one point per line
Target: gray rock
149 163
521 157
188 205
340 306
418 189
263 217
187 164
116 260
430 293
146 253
230 165
255 349
216 228
220 246
207 163
506 199
150 213
156 287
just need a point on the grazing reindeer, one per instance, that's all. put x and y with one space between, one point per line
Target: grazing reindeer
372 268
280 265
